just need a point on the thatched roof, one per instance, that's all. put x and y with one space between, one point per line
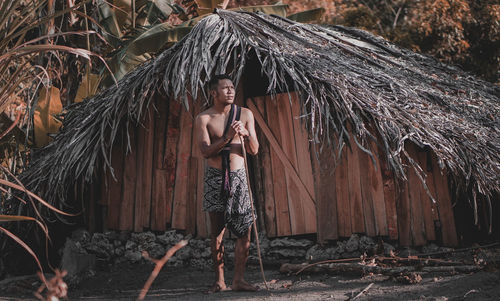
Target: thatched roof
343 74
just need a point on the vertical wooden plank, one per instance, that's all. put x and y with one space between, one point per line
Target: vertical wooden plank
389 188
342 196
159 195
265 158
377 188
170 154
403 209
326 203
179 210
159 191
297 220
278 171
129 182
444 205
416 212
366 173
139 205
147 172
354 184
430 233
115 187
201 223
304 167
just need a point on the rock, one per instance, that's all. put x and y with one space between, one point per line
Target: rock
200 263
81 235
111 235
430 248
143 238
100 246
352 244
287 253
341 245
290 243
130 245
318 253
388 249
75 260
169 238
117 243
133 256
366 244
154 250
120 251
229 245
184 253
407 252
207 253
197 244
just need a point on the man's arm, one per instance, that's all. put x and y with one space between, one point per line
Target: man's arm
251 142
207 148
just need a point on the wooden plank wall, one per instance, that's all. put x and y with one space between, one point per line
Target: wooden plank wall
301 190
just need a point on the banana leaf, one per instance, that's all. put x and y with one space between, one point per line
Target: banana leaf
312 15
87 89
138 50
49 104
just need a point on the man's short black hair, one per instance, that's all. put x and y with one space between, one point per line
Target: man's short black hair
214 81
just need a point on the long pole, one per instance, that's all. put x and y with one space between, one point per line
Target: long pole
253 213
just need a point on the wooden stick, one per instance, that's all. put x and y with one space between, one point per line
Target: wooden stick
158 267
253 213
363 291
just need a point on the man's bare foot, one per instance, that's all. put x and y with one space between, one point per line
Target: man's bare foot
218 287
244 286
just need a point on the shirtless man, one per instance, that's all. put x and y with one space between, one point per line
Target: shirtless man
210 125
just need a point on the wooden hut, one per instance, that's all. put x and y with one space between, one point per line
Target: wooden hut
350 126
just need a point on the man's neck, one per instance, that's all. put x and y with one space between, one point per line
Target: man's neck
221 107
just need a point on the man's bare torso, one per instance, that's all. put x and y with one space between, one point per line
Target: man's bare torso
216 122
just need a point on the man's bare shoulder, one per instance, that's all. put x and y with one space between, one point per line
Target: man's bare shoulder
246 112
205 115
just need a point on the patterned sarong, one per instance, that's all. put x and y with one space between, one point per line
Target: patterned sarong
237 209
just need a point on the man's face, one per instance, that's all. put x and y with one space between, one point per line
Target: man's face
224 93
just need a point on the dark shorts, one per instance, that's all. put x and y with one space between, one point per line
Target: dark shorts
237 209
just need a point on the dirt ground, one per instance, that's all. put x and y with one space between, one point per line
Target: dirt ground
123 282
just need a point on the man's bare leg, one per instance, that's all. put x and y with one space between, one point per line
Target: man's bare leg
217 230
240 258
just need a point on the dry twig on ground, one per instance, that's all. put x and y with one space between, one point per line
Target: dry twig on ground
159 265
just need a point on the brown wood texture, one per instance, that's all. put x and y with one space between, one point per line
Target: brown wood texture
377 188
342 195
295 204
444 204
115 186
430 233
129 183
304 165
279 182
404 211
365 174
416 210
159 191
179 210
145 172
354 184
324 171
389 188
264 157
170 160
